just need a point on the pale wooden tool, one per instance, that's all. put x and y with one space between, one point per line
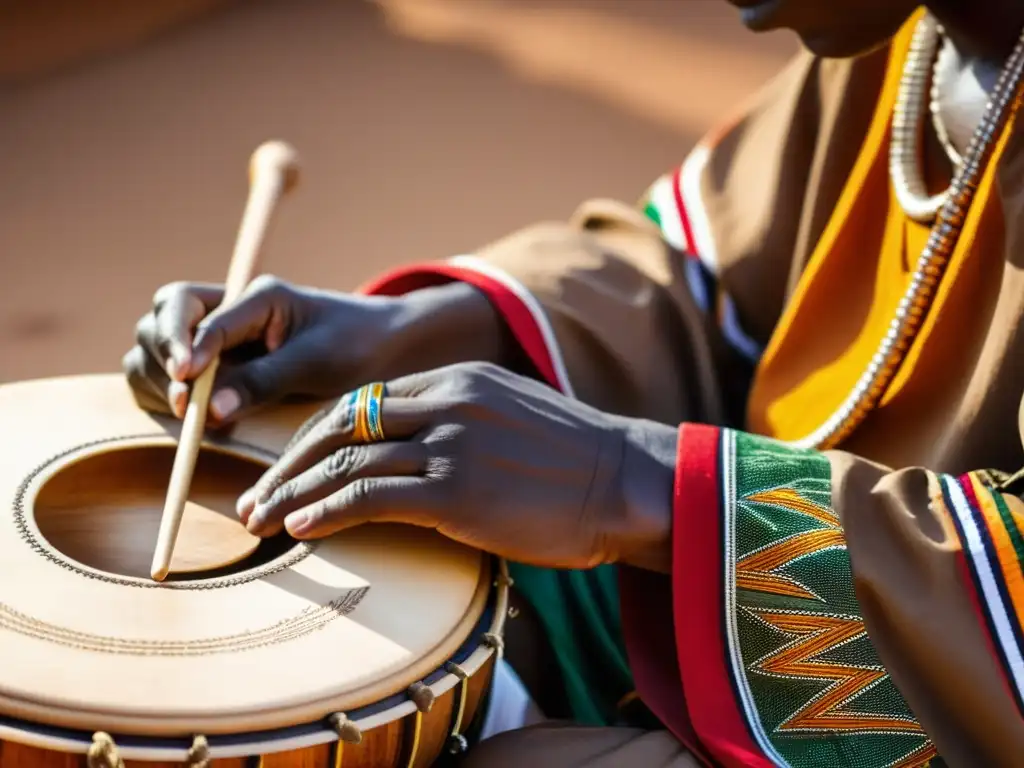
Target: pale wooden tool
273 171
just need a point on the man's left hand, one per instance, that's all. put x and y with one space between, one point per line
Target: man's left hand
491 459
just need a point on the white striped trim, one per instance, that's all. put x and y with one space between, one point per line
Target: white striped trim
727 470
734 333
664 200
1000 613
689 186
704 248
475 264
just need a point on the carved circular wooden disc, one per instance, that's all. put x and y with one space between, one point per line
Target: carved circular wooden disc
284 633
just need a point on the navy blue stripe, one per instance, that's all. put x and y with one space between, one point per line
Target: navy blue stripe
972 569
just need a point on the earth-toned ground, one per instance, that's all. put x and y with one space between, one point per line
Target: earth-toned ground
426 127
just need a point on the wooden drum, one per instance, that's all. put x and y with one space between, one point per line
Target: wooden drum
374 647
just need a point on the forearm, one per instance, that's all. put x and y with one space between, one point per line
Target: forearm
599 308
448 324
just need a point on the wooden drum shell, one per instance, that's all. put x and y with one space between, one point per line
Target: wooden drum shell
393 744
407 717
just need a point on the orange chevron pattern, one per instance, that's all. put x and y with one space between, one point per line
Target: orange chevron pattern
817 634
756 571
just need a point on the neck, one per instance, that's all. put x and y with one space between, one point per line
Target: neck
983 31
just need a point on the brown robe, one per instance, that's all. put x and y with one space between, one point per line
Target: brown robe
624 328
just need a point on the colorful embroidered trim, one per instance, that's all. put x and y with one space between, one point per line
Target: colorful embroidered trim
774 645
673 202
993 551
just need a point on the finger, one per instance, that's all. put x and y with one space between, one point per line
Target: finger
400 419
154 390
258 313
179 308
211 294
327 477
242 387
415 384
410 500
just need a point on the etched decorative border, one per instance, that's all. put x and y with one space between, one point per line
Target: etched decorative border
299 552
309 620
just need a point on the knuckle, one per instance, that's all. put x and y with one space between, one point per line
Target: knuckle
209 329
317 512
340 463
168 291
340 417
357 493
440 466
268 286
133 364
472 380
276 490
145 328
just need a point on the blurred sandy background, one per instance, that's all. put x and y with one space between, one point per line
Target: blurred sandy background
426 127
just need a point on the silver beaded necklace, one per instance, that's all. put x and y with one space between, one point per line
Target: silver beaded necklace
947 210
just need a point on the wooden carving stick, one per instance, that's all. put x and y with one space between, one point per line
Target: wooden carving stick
273 171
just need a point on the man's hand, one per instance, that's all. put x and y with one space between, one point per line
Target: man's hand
281 340
491 459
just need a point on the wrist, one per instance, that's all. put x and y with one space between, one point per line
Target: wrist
647 488
447 324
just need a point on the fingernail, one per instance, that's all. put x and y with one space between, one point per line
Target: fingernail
255 521
177 396
224 403
296 523
177 366
245 504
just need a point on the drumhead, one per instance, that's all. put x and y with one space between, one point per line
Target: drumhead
287 637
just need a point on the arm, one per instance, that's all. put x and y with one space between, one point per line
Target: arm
661 310
831 611
575 297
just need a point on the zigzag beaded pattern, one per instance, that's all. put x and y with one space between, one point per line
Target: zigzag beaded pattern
298 553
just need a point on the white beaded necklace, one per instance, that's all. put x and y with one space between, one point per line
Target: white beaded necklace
947 210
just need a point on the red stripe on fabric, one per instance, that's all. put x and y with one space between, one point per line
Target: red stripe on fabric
964 481
684 218
698 590
516 314
645 600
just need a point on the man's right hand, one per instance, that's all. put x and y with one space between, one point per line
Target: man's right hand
280 340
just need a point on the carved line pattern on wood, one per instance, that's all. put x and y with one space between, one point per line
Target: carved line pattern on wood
300 552
306 622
